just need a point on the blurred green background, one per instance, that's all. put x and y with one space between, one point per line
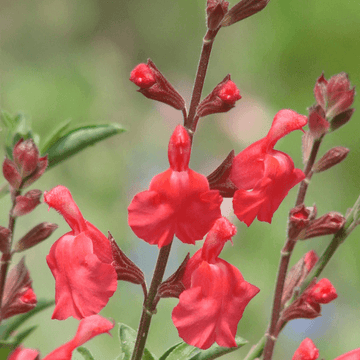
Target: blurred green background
65 59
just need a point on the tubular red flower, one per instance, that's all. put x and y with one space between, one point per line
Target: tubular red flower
80 262
306 351
263 175
216 294
178 202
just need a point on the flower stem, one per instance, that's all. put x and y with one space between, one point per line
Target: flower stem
191 121
285 258
150 302
6 256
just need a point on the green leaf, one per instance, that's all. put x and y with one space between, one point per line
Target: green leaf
85 353
78 139
12 325
127 337
216 351
54 136
169 350
184 351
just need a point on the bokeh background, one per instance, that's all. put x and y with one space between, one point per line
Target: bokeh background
65 59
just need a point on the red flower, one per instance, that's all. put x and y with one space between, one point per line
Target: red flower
80 262
263 175
178 202
306 351
216 294
88 328
351 355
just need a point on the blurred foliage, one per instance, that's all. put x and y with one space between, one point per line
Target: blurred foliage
65 59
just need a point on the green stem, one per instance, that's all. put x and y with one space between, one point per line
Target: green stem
256 350
150 303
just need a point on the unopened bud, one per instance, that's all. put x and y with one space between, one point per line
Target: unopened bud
26 156
242 10
320 91
323 292
36 235
306 351
173 286
341 119
318 124
334 156
327 224
11 173
27 203
221 99
125 269
215 10
4 239
154 85
219 179
298 220
18 295
298 274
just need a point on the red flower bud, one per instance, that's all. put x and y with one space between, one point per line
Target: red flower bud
327 224
26 156
221 99
242 10
341 119
298 220
334 156
36 235
318 124
323 292
27 203
306 351
19 297
11 173
154 85
215 10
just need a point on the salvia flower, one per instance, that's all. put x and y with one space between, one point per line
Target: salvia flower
263 175
154 85
216 294
178 202
80 262
221 99
88 328
306 351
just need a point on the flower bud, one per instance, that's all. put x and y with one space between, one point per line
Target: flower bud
320 91
318 124
215 10
154 85
19 297
179 149
298 274
242 10
327 224
306 351
125 269
27 203
173 286
219 179
323 292
221 99
26 156
11 174
341 119
298 220
36 235
334 156
4 239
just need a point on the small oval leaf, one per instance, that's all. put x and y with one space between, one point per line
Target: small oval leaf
85 353
78 139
